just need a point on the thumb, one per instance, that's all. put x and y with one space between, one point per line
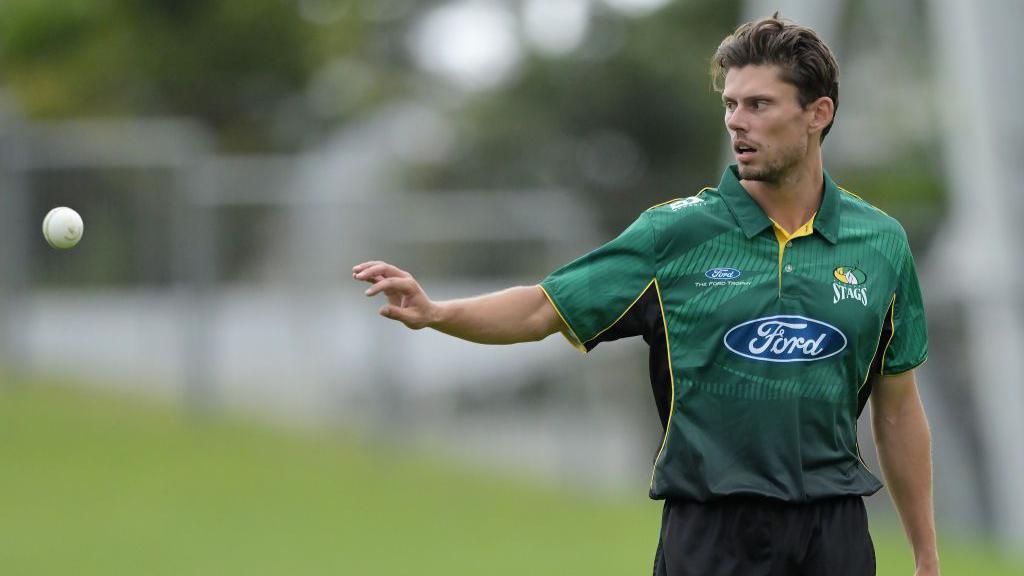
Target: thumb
393 312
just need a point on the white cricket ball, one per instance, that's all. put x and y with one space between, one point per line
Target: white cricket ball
63 227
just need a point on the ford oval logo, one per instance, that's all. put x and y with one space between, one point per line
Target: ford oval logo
785 339
723 274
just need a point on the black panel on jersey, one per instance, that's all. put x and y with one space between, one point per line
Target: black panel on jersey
876 364
644 319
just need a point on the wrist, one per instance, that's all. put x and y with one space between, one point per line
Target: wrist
437 314
928 564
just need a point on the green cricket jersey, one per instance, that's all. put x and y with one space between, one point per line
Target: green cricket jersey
761 342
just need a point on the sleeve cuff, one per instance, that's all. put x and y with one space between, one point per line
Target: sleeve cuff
569 333
889 371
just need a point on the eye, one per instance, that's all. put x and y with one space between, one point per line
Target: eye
730 105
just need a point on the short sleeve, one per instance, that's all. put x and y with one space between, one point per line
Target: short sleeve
908 345
597 289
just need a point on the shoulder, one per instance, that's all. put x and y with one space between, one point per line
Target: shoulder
690 210
681 223
858 213
680 204
704 205
874 228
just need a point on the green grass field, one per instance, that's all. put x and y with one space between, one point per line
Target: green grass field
102 484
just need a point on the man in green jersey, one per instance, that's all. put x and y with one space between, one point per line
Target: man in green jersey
775 306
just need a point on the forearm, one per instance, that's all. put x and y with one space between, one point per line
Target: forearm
904 450
520 314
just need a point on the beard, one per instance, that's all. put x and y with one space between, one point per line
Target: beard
775 171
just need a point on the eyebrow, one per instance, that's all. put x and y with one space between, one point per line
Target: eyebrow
764 97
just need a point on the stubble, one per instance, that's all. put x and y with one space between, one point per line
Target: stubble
776 171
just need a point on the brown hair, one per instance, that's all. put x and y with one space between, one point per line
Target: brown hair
803 59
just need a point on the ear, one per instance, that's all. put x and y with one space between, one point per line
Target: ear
822 111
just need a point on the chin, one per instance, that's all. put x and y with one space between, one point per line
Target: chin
772 172
754 173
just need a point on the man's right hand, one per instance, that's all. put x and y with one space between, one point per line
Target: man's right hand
407 302
518 314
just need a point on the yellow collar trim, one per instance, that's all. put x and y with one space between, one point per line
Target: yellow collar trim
806 230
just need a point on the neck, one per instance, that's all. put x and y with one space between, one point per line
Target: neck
795 197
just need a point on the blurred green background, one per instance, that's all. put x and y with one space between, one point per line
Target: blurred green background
275 75
99 483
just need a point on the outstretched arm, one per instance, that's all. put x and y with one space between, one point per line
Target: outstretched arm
905 453
520 314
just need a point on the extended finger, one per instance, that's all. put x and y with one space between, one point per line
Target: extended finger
364 265
380 270
402 285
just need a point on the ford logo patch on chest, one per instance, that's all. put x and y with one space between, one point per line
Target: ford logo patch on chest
723 274
785 339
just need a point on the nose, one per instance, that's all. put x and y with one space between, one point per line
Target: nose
736 121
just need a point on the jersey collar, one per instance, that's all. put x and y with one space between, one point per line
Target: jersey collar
753 220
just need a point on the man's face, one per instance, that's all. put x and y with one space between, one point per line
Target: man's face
767 125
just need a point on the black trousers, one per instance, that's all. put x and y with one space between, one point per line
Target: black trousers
760 537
